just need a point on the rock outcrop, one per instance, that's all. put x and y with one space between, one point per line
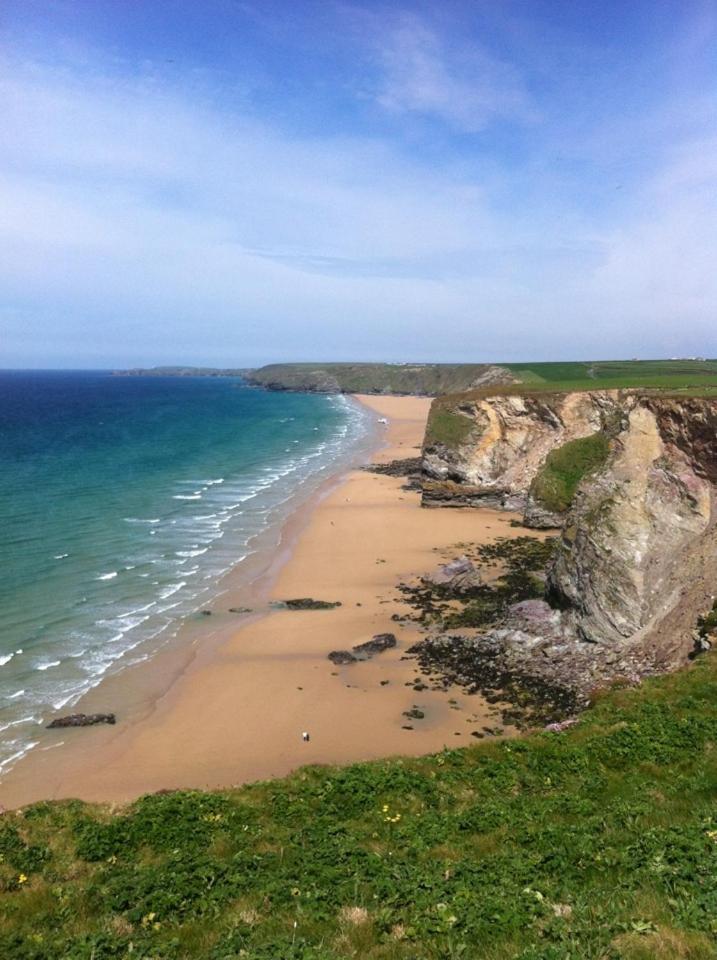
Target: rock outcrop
363 651
632 541
507 439
631 480
82 720
459 577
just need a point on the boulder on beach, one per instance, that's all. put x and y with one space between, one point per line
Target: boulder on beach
82 720
377 644
460 576
307 603
364 651
341 657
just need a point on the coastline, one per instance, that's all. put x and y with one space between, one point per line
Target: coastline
230 707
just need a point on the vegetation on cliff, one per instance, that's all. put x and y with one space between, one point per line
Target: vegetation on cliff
423 379
599 841
435 379
555 484
447 428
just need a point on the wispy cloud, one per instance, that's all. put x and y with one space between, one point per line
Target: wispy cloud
459 83
147 219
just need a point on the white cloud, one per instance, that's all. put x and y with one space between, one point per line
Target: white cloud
466 88
141 223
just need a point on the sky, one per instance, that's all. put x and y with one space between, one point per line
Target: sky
235 182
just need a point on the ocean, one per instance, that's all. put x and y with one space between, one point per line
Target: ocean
123 501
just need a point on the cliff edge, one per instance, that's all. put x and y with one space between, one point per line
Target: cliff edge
629 480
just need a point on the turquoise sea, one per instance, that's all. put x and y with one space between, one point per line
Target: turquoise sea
123 500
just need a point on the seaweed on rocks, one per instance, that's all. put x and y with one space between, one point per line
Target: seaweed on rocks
364 651
452 603
306 603
482 665
410 468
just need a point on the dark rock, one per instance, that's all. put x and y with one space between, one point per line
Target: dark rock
409 468
364 651
379 643
396 468
206 613
82 720
307 603
414 714
341 657
239 609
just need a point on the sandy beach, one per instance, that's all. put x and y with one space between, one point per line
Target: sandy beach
234 711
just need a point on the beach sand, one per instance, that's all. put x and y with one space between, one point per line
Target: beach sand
235 710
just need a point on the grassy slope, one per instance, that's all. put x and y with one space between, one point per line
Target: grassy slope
426 379
555 484
675 378
598 842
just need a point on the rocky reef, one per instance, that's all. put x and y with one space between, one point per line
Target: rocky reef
629 480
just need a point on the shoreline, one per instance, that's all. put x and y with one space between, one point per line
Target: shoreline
240 693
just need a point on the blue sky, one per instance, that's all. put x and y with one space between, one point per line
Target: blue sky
234 182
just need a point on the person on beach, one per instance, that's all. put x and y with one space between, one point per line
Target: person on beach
305 736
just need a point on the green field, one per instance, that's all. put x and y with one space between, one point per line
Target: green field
597 843
607 374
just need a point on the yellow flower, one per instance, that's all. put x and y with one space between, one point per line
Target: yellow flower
22 879
385 808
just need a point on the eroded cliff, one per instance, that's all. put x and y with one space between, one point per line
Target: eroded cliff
629 479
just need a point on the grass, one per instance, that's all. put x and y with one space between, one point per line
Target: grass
624 372
555 484
426 379
597 843
439 379
447 428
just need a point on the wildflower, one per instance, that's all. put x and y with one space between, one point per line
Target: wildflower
148 918
385 808
22 879
112 859
295 891
712 834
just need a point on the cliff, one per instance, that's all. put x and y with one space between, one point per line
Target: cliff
629 479
421 379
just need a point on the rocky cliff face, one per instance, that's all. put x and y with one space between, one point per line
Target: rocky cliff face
506 441
632 543
636 561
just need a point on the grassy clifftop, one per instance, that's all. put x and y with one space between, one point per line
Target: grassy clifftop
616 373
598 843
423 379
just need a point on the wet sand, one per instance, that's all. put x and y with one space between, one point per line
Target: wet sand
232 708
